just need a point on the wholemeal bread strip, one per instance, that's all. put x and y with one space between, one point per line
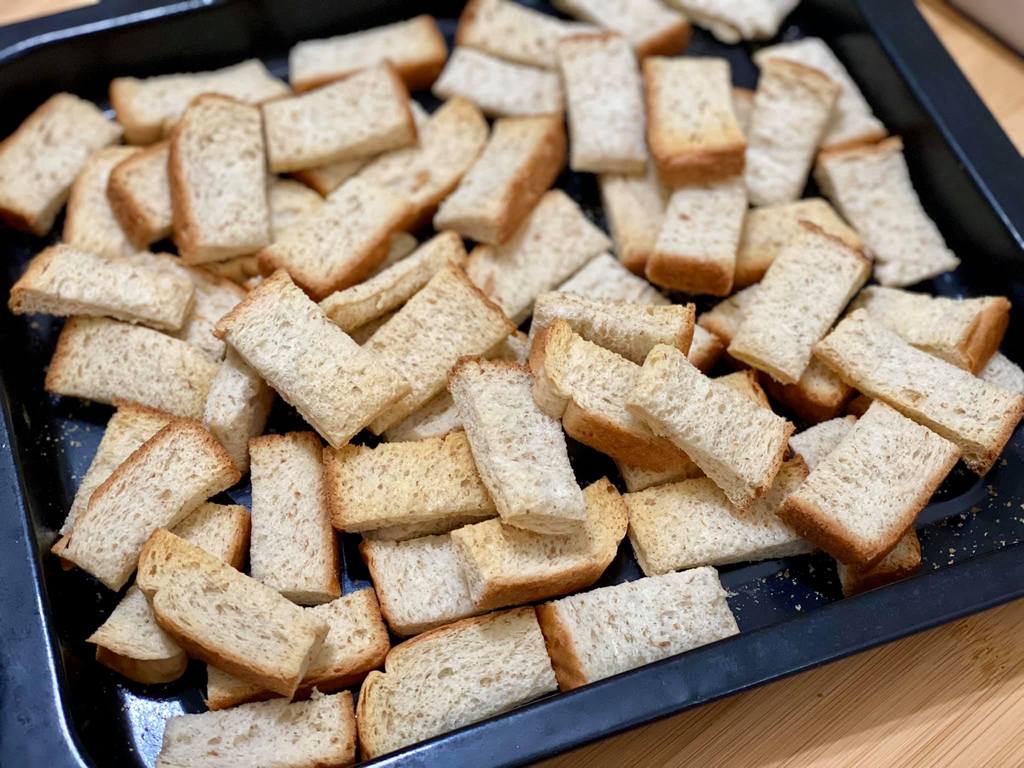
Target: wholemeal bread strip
705 349
979 417
356 642
792 108
651 28
605 101
363 115
290 201
90 223
145 107
214 298
860 499
519 450
506 566
342 242
225 618
520 162
500 88
221 529
674 398
335 385
731 21
766 230
41 159
157 486
903 561
597 634
139 191
448 319
964 332
634 207
700 232
1003 373
445 679
852 121
815 443
586 386
606 278
691 127
415 47
871 187
800 297
104 360
554 241
64 280
237 407
303 734
514 32
218 181
626 328
743 107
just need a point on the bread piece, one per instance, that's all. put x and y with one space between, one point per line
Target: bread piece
743 107
146 107
851 121
700 232
237 407
605 103
520 162
815 443
325 179
337 386
767 230
634 207
400 245
651 28
725 318
500 88
975 415
964 332
90 224
800 297
290 202
820 394
903 561
861 498
691 127
341 243
139 191
414 47
1003 373
451 677
214 298
605 278
871 187
220 529
597 634
730 21
64 280
104 360
792 108
303 734
519 450
514 32
41 159
705 349
626 328
219 181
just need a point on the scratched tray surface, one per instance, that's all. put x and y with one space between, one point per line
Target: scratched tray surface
123 722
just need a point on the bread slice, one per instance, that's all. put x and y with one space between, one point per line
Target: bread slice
860 499
220 529
815 443
800 297
219 181
743 107
730 22
605 102
634 207
139 191
519 450
903 561
148 106
964 332
1003 373
975 415
64 280
691 127
792 108
606 278
626 328
342 242
500 88
597 634
335 385
852 121
674 399
237 407
41 159
446 679
415 48
520 162
90 224
651 28
104 360
214 298
290 202
871 187
696 247
514 32
303 734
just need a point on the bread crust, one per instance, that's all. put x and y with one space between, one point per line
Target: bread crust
144 671
807 403
593 430
691 275
558 639
858 580
986 334
670 41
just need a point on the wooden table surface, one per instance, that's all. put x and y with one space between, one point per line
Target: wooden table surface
953 696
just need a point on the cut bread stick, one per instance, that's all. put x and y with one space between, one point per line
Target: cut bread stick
651 28
90 223
634 207
237 407
605 278
500 88
903 560
139 191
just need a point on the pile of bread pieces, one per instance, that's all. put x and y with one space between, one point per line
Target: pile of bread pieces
291 206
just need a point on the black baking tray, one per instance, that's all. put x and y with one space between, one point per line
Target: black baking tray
59 708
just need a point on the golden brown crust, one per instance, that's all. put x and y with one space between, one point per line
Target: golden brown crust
20 298
685 337
691 275
145 671
55 373
133 220
640 450
558 640
712 352
986 334
466 20
856 580
864 139
806 402
858 149
670 41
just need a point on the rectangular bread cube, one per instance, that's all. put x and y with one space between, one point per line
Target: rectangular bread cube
634 207
500 88
652 28
139 191
903 560
90 223
237 407
606 278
